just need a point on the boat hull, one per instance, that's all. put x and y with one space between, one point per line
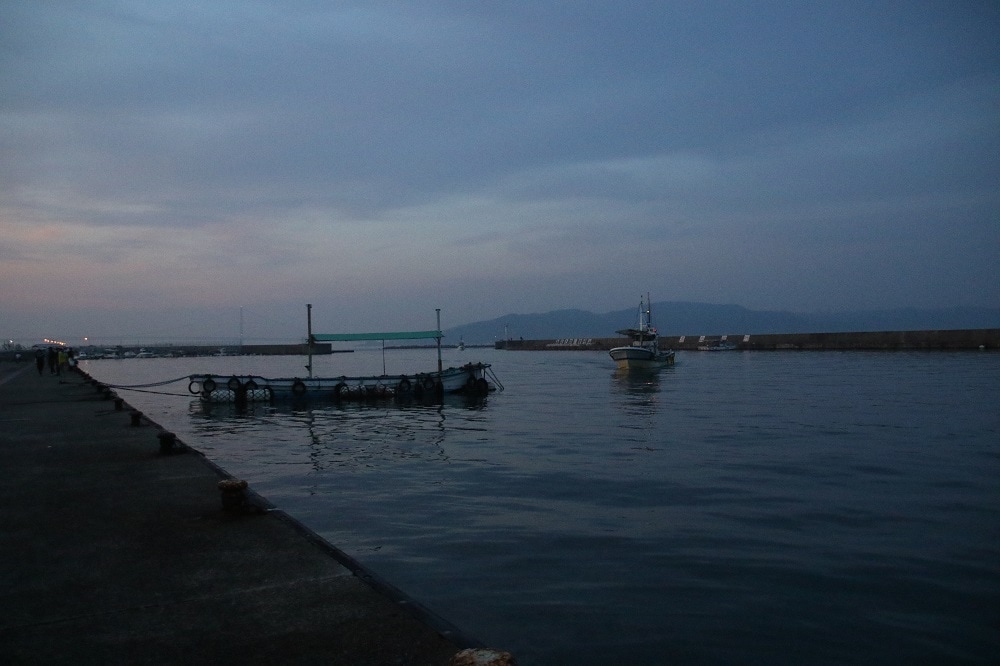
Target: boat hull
469 379
640 358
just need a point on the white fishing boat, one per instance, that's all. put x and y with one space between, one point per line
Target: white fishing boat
471 378
644 353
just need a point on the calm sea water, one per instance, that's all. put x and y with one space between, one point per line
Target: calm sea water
783 507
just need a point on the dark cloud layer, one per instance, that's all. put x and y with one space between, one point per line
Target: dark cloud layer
551 141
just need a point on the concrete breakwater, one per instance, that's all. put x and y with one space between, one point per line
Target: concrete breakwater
127 545
981 338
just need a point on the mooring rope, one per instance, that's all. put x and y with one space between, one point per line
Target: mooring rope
492 375
141 386
182 395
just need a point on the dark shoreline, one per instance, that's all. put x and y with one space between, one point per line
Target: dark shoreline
945 340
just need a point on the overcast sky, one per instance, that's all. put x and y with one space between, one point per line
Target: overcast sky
166 163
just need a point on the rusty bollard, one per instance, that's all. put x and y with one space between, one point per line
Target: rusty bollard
482 657
136 418
167 441
234 495
119 403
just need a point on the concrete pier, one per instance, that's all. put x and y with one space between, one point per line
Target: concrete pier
117 550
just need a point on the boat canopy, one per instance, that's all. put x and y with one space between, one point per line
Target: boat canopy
355 337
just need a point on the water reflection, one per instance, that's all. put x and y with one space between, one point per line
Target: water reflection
265 409
637 395
327 435
636 382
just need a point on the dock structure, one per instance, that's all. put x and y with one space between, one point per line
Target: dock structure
124 545
980 338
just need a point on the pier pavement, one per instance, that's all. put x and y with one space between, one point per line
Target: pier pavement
113 553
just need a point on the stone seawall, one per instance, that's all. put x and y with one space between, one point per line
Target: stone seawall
982 338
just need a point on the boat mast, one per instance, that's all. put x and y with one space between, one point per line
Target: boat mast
438 329
309 332
649 321
642 323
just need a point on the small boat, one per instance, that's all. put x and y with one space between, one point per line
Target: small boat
718 346
470 379
644 353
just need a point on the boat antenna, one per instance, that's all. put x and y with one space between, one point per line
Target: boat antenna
309 333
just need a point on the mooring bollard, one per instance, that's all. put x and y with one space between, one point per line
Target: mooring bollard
482 657
136 418
234 496
167 441
119 403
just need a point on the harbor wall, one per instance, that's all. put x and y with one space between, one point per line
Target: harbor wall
982 338
298 349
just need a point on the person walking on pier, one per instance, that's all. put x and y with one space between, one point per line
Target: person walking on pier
53 360
40 360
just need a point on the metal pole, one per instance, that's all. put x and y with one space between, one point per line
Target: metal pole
438 310
309 342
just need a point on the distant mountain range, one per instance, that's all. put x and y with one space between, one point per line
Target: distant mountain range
682 318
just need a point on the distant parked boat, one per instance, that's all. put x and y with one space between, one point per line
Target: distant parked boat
644 353
718 346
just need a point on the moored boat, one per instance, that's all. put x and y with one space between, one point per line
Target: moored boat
644 353
470 379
